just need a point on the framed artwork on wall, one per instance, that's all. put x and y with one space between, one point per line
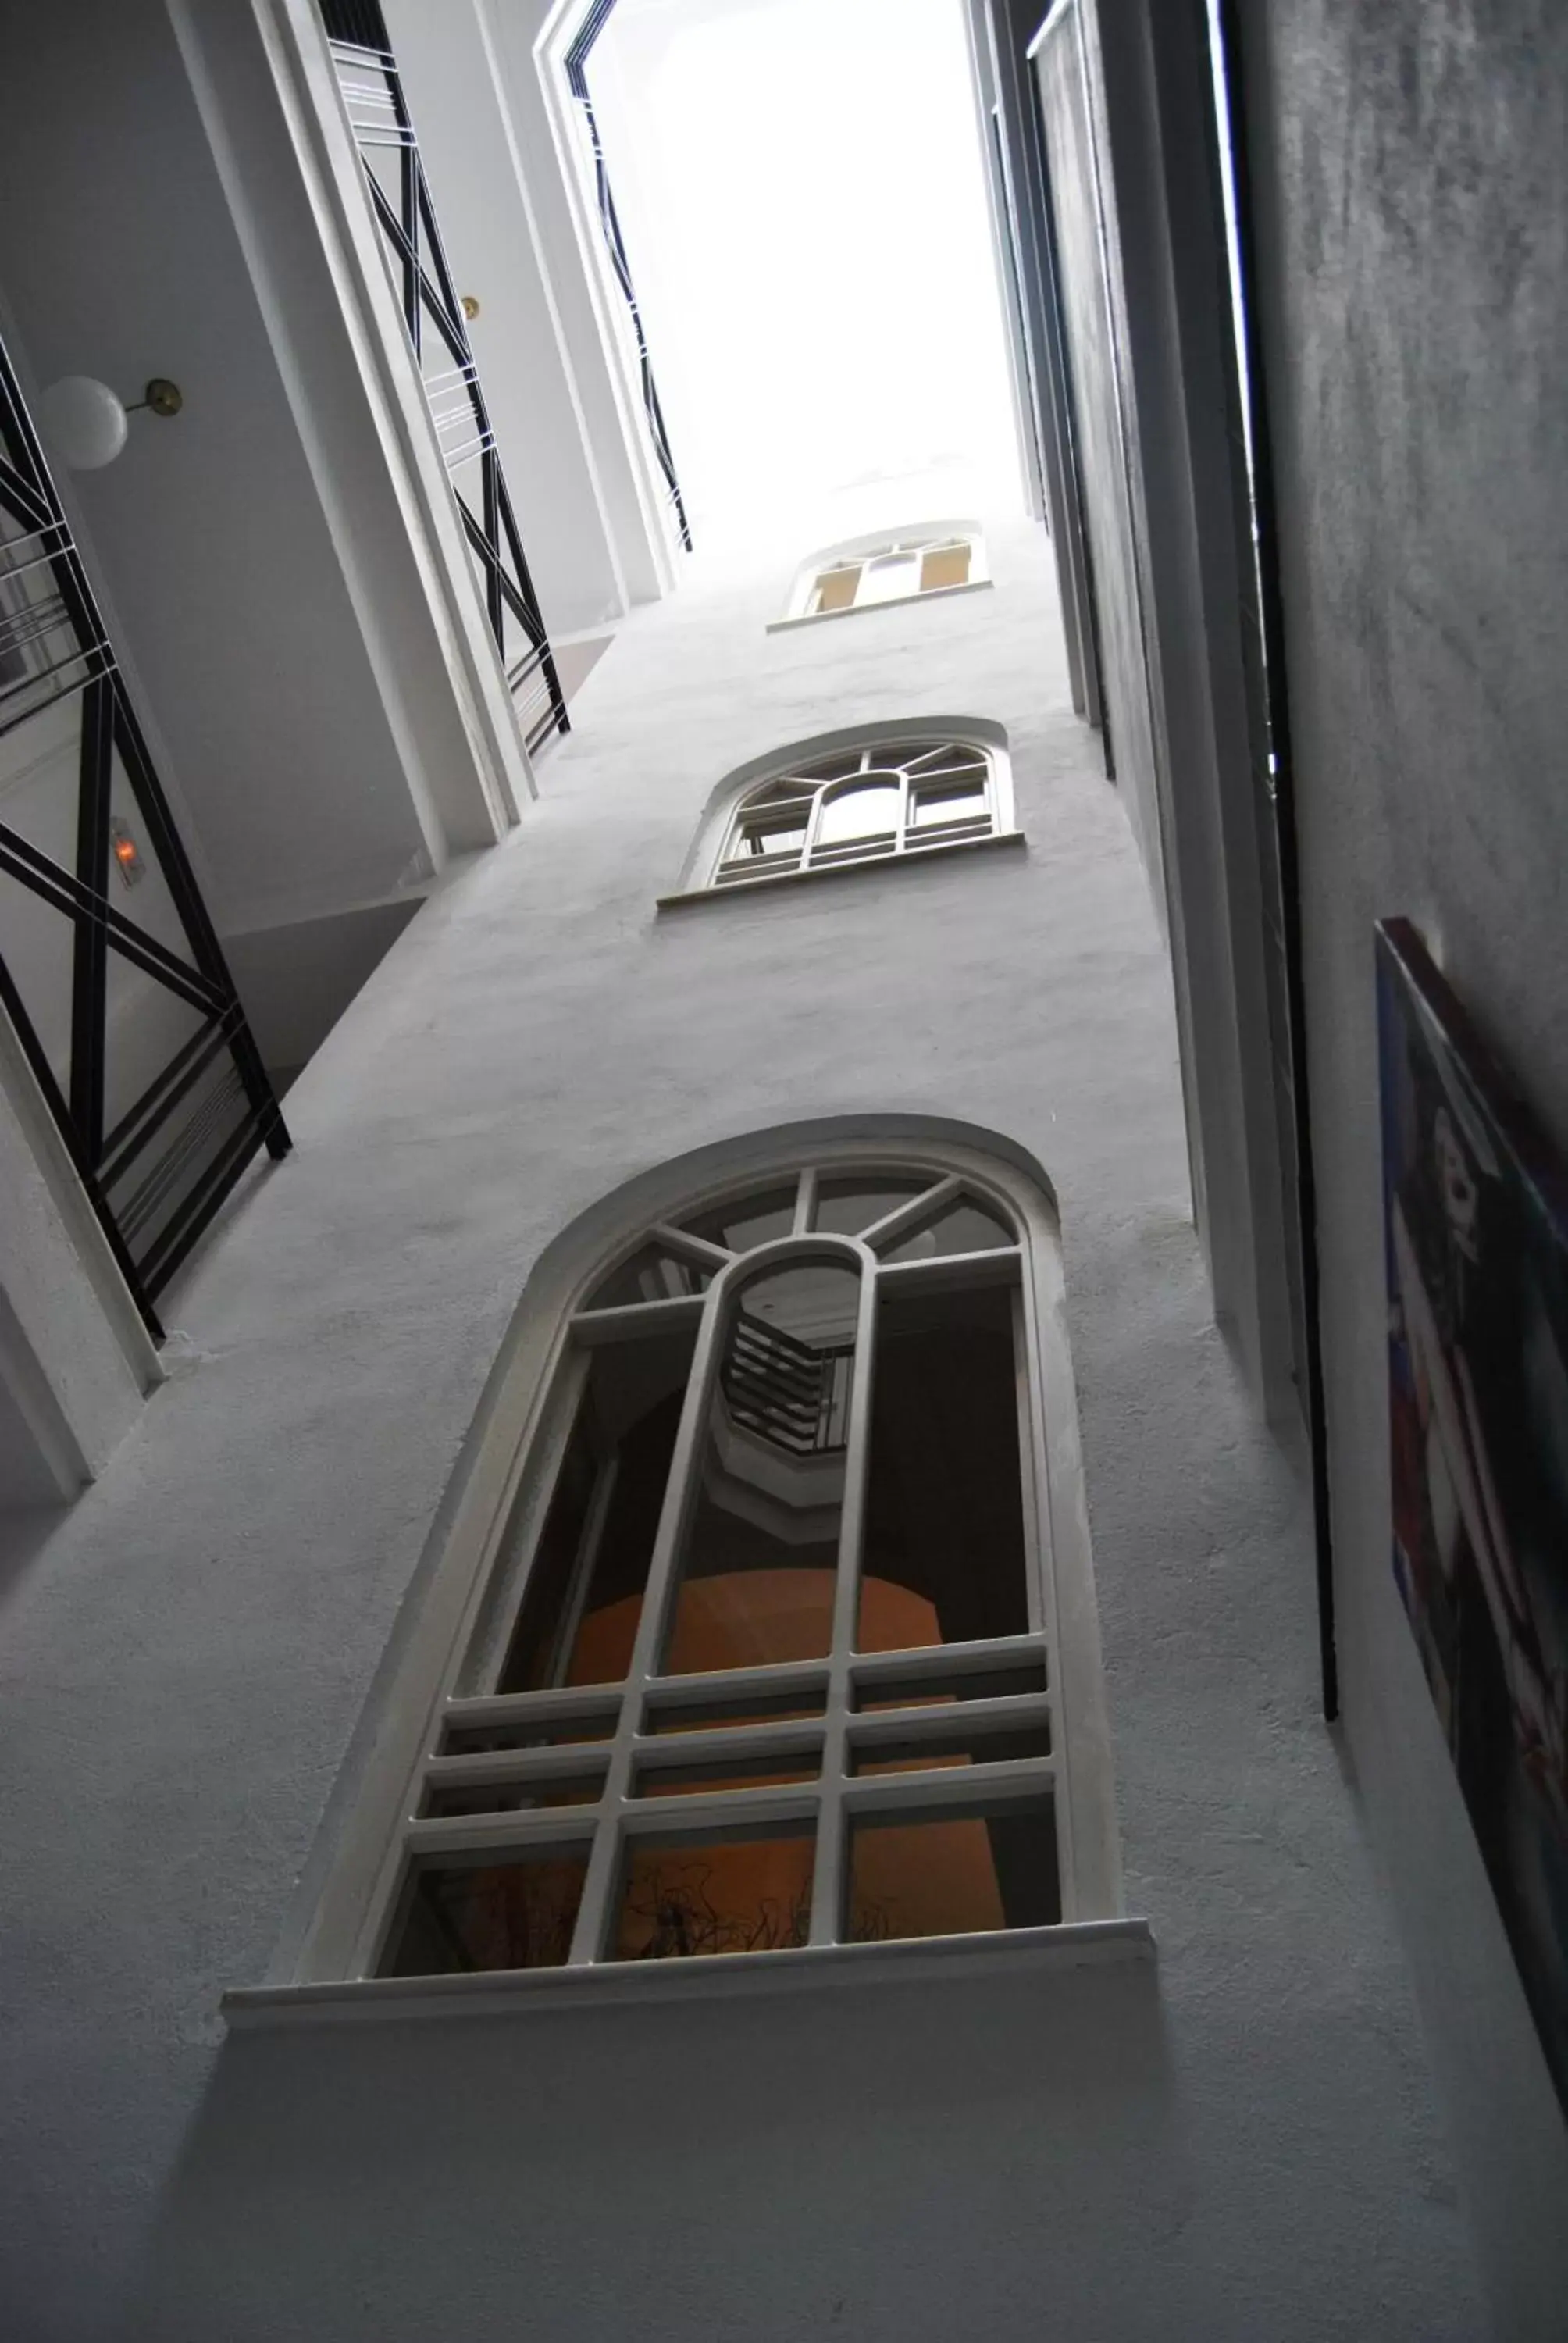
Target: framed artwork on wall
1475 1207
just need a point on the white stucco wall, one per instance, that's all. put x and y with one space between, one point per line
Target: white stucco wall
1239 2143
1409 176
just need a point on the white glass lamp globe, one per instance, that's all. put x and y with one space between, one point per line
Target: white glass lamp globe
82 422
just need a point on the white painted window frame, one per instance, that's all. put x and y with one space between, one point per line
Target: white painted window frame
721 872
863 553
487 1538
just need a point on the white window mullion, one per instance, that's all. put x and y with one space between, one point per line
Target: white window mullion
827 1876
813 825
599 1887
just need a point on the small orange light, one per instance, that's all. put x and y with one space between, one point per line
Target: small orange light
125 851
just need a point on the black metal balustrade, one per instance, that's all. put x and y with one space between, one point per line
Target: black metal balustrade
110 967
372 89
786 1392
589 31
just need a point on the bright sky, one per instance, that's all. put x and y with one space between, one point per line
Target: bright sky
799 185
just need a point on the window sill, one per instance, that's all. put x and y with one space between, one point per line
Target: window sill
1083 1944
912 856
859 609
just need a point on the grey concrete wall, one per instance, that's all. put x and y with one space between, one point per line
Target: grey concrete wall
1411 164
1240 2143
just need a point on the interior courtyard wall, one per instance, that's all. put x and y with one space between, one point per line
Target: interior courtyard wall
1239 2141
1410 169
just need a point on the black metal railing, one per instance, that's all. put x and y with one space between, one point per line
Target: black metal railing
372 89
110 967
589 31
786 1392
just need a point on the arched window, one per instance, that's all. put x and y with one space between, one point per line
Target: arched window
867 571
773 1651
857 804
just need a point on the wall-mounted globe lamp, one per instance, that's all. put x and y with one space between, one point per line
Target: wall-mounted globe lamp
84 423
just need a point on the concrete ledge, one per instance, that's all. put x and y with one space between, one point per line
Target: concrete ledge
1079 1943
1011 839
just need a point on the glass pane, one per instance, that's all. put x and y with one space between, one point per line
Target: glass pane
473 1740
466 1913
869 809
992 1745
945 565
650 1275
846 1206
944 1558
725 1773
836 588
584 1596
715 1896
957 802
836 767
695 1716
963 1226
783 832
748 1221
512 1797
950 1875
931 759
935 1688
891 577
757 1575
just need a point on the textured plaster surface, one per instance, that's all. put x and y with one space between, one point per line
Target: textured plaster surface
1411 168
1238 2144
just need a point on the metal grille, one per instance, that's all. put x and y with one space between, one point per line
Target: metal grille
372 89
110 967
577 56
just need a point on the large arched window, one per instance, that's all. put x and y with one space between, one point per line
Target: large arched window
863 803
785 1638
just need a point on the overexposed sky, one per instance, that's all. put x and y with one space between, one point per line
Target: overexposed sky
799 186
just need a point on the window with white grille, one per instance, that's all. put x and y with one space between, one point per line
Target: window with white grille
770 1652
870 571
859 804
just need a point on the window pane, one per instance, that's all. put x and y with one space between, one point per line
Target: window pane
963 1226
584 1596
650 1275
836 588
715 1896
726 1774
911 1754
465 1914
929 1687
945 565
944 1557
928 760
868 809
846 1206
955 801
944 1876
769 1708
759 835
891 577
473 1740
748 1221
512 1797
757 1575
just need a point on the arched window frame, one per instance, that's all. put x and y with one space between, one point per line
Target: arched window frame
724 860
497 1511
870 565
